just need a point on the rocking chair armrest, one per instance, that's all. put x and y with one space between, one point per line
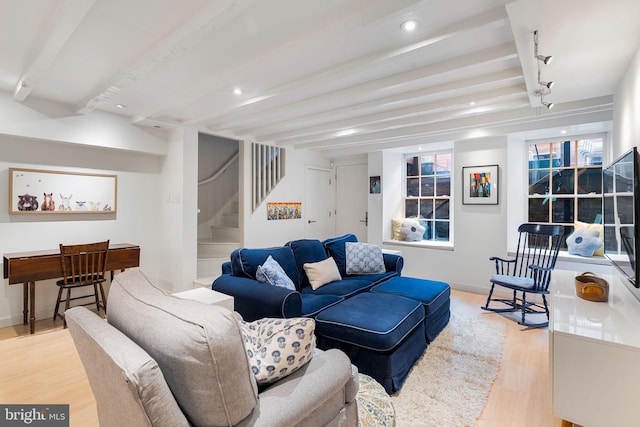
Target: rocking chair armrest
495 258
537 268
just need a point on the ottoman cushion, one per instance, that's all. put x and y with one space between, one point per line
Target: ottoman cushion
355 320
432 294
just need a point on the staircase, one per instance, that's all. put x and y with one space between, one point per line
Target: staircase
222 239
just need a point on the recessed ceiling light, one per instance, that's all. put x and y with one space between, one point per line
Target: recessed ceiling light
409 25
562 132
121 106
472 103
237 91
345 132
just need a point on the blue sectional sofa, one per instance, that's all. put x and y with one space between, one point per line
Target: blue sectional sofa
383 330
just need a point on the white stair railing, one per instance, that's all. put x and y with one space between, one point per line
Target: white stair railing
267 166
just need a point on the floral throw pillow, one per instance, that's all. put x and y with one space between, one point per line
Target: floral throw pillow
278 347
363 258
272 273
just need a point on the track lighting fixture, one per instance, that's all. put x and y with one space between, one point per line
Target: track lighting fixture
544 87
544 59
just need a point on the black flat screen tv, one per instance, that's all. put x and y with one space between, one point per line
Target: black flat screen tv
621 193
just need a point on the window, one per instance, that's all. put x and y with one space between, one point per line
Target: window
428 193
565 182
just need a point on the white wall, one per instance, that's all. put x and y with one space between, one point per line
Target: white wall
626 110
135 221
260 232
157 192
479 230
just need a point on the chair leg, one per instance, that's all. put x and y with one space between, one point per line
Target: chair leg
104 300
546 306
66 307
95 295
524 306
486 306
55 313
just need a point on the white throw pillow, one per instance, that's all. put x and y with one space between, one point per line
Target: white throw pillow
412 231
278 347
321 273
363 258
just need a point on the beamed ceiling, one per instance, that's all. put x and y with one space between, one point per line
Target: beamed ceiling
321 74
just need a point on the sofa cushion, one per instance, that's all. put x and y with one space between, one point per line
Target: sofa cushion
363 258
245 262
198 347
278 347
355 320
344 288
322 272
305 251
336 248
313 304
272 273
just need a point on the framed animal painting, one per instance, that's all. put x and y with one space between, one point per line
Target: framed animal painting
34 191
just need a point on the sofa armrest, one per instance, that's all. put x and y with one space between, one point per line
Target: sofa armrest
255 300
321 390
393 262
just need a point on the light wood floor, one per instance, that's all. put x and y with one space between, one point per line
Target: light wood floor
45 368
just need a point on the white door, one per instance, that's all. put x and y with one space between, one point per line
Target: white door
318 213
352 189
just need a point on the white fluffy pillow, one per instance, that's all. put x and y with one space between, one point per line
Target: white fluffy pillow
321 273
412 231
278 347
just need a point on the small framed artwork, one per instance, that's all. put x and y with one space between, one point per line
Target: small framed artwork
374 185
284 210
480 185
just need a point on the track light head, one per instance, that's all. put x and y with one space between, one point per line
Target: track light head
548 85
545 59
549 105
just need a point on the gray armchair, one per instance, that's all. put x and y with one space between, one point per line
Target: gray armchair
165 361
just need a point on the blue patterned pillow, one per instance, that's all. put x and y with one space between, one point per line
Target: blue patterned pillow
278 347
270 272
363 258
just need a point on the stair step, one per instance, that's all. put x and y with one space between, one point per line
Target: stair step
230 220
221 233
210 268
214 249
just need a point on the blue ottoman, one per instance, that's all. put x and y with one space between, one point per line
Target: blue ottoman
434 295
383 335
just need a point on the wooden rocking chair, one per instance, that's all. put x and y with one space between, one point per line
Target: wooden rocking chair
529 272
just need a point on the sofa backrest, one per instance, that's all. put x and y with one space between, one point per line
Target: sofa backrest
127 383
306 251
245 261
198 347
336 248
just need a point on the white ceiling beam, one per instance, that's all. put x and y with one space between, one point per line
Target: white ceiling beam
509 117
61 26
288 119
403 117
380 87
496 17
213 16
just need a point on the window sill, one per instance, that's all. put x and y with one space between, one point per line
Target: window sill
425 244
567 257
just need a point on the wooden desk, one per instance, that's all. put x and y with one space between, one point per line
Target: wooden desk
28 267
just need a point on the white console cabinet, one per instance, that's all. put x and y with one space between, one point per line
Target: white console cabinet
595 354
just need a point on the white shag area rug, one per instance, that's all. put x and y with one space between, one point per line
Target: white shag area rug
450 383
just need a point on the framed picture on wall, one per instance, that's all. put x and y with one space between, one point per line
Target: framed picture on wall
480 185
374 185
49 192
